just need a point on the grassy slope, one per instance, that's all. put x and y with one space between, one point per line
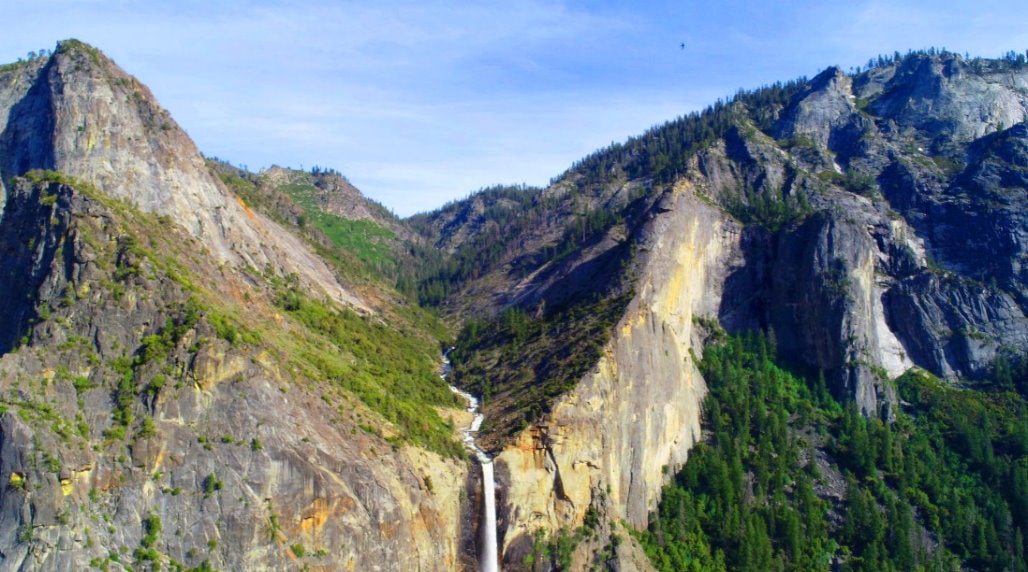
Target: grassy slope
387 362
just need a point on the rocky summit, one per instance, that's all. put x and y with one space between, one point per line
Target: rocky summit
205 368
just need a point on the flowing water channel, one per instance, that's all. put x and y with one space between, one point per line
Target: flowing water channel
488 558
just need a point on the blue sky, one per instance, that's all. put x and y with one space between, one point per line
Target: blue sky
421 102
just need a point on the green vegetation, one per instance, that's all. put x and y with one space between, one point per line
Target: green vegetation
38 176
211 484
245 186
767 210
389 361
963 457
509 213
12 66
151 532
390 370
72 45
231 330
522 359
523 362
154 349
366 240
751 498
374 359
513 232
718 512
362 250
662 153
558 549
582 230
853 181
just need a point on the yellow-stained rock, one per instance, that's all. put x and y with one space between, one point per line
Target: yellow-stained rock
638 412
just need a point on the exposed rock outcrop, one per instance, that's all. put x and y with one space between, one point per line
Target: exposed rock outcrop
872 222
611 440
78 113
233 461
156 407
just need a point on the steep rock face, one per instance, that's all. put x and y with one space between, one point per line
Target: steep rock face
607 442
871 222
78 113
234 462
882 235
825 274
924 132
944 99
817 283
950 325
825 116
349 502
983 211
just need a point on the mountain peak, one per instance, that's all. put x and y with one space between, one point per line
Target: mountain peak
80 114
826 77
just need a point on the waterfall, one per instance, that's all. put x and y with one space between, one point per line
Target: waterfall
488 558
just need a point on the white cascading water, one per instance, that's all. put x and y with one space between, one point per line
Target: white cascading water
488 560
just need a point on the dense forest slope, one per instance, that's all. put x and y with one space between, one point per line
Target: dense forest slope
208 368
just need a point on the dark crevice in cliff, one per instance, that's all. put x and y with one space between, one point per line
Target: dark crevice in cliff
558 483
27 141
31 238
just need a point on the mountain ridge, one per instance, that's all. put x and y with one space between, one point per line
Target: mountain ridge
117 111
852 243
870 222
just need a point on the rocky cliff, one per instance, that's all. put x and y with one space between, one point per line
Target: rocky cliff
870 221
608 443
184 383
78 113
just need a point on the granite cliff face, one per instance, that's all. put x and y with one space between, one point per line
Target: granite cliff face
164 400
78 113
606 444
140 411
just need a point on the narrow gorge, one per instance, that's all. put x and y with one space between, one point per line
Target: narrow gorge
488 553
